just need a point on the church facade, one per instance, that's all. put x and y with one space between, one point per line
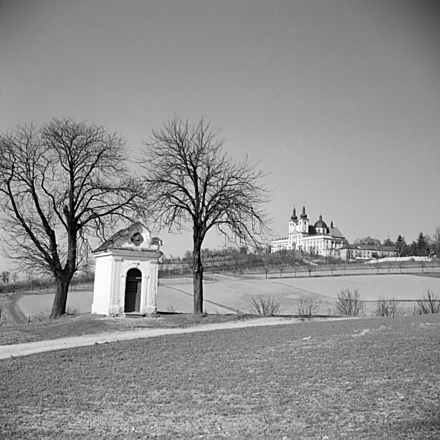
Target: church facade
317 239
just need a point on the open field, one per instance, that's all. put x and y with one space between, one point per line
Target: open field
402 287
358 379
228 294
238 292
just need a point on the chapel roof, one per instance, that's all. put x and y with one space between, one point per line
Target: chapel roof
118 239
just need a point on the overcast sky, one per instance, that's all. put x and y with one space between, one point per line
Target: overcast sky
338 99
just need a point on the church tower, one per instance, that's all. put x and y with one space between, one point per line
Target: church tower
304 222
293 223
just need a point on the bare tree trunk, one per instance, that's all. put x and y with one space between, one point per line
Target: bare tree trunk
198 275
60 300
64 276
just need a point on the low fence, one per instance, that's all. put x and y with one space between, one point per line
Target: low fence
337 270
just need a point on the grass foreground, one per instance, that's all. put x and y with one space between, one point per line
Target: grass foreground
375 378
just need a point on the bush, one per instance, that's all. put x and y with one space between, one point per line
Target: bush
308 307
70 310
428 303
388 307
350 303
41 316
264 306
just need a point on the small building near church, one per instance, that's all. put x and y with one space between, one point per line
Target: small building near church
318 238
126 271
366 252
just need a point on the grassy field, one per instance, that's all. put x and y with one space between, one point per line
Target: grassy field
358 379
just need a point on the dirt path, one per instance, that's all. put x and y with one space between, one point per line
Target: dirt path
11 351
12 311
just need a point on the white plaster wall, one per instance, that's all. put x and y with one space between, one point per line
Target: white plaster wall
117 295
102 285
151 306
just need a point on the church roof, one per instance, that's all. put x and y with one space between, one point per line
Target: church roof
335 232
321 223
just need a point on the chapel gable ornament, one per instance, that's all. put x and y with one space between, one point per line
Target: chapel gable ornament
126 271
136 237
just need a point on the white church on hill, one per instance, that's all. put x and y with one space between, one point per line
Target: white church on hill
318 239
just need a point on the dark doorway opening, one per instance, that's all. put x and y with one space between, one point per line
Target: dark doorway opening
133 291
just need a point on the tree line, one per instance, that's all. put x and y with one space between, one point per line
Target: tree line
424 246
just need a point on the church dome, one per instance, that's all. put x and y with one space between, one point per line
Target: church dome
320 224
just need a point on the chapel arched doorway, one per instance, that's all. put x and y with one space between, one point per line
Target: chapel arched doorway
133 291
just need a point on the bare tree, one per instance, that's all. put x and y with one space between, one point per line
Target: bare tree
435 242
5 277
308 306
59 185
428 303
350 303
388 307
264 306
193 183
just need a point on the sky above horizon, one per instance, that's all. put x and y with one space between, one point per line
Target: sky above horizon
338 100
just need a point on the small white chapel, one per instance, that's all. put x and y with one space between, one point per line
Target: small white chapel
126 273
